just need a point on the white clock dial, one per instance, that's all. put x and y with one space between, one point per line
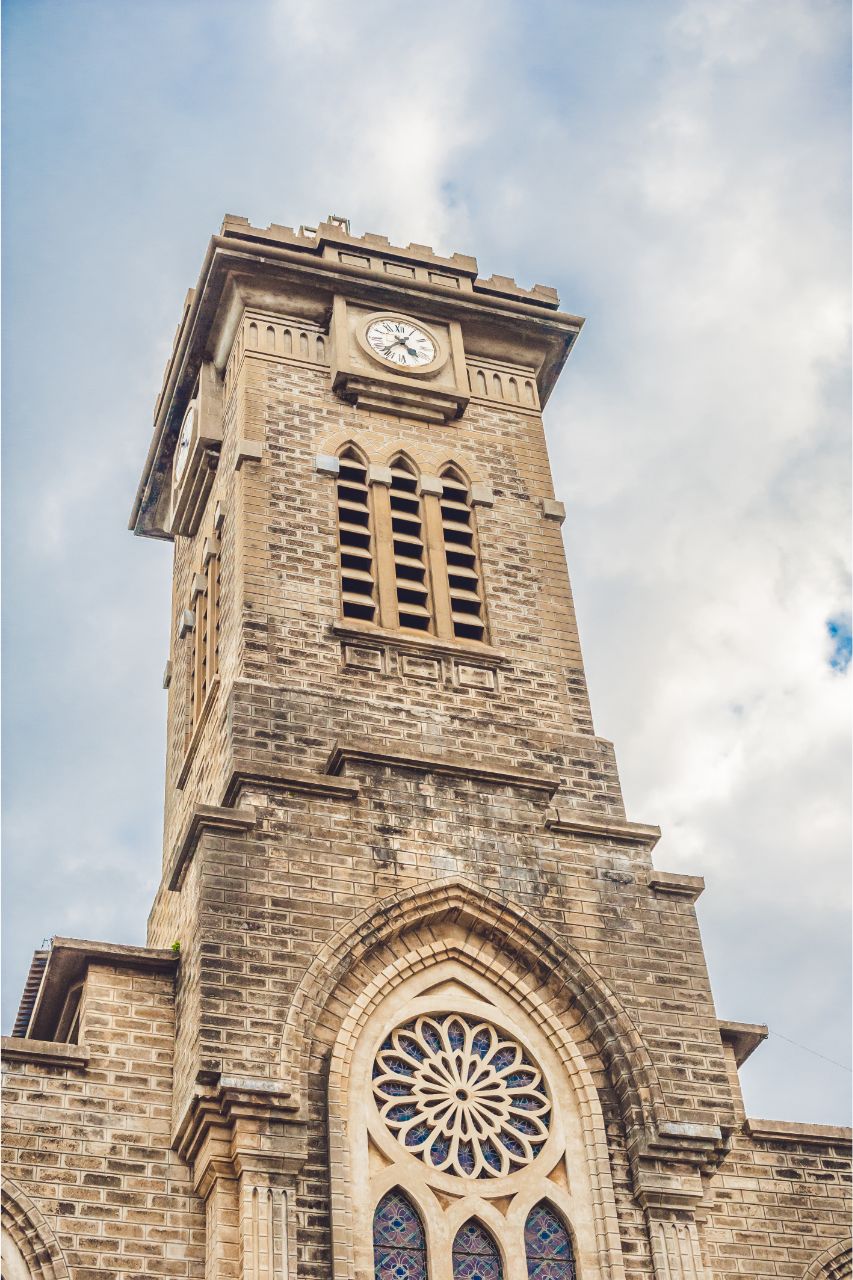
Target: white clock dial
182 449
401 342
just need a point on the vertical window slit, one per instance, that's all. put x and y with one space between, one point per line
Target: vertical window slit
413 597
358 582
463 567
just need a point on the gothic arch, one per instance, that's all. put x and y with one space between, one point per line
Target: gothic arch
30 1234
519 946
350 446
405 460
834 1263
403 979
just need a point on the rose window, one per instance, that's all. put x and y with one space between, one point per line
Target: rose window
461 1095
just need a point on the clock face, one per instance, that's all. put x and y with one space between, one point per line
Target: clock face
401 342
182 449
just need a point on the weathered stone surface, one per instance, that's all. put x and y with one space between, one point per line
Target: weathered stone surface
364 824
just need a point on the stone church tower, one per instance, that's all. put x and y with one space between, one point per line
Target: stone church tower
415 1001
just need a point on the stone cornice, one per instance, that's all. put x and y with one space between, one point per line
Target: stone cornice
674 885
43 1053
279 777
821 1135
67 965
226 1130
574 822
743 1037
491 772
205 817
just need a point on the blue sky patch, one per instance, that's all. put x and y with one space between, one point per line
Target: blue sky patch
839 632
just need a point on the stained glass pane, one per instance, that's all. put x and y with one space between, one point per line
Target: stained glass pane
548 1245
475 1254
399 1247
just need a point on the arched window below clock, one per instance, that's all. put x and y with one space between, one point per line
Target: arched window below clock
414 606
464 581
399 1245
548 1245
475 1254
359 597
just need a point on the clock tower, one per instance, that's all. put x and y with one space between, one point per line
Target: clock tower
415 1004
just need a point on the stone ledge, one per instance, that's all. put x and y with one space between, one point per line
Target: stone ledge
676 886
43 1053
282 777
491 772
468 652
205 817
743 1037
794 1131
573 822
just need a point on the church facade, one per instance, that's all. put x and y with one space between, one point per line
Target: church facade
415 1001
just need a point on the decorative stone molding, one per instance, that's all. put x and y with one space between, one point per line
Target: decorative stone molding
245 1145
552 509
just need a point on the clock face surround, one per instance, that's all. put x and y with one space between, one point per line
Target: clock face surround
401 342
182 449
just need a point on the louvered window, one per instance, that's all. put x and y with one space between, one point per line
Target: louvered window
204 619
460 548
410 565
358 583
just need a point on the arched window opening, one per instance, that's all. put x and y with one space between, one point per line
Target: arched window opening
548 1245
399 1246
460 548
413 598
358 583
475 1254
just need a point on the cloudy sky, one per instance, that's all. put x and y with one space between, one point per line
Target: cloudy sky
680 172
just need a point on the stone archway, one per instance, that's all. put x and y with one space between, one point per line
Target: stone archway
30 1248
835 1262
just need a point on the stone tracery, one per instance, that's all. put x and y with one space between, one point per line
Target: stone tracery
461 1095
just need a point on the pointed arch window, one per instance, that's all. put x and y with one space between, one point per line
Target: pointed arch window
409 557
475 1254
548 1245
399 1245
414 607
355 533
461 554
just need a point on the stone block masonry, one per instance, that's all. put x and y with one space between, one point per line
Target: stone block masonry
408 949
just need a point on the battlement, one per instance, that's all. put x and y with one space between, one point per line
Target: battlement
332 240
